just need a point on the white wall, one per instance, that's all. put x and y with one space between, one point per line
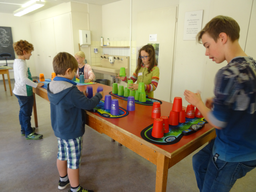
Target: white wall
116 21
160 21
20 31
95 26
250 46
192 70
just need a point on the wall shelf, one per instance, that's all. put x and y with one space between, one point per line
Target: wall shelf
115 46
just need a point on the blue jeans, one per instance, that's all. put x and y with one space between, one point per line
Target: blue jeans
26 106
213 174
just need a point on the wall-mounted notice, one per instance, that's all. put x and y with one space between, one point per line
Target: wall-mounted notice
192 25
153 37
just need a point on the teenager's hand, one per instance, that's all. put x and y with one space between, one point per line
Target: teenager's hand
40 85
209 103
192 98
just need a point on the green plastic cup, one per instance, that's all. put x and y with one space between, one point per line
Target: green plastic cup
137 95
132 93
115 88
121 90
126 92
142 97
141 87
122 72
129 83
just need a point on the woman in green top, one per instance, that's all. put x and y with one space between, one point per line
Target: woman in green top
146 71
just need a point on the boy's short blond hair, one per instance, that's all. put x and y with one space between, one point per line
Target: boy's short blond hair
62 61
218 25
80 54
21 46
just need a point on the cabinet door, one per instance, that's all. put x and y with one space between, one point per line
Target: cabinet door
37 54
63 33
48 42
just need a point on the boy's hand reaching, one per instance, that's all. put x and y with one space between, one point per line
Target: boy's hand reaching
101 92
84 92
40 85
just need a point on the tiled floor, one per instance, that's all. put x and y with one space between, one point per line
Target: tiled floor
27 166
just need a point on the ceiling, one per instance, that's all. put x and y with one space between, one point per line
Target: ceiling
9 6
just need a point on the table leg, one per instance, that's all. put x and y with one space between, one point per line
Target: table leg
4 82
162 167
9 81
35 110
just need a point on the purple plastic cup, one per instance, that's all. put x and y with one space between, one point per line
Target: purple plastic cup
89 91
107 102
99 89
131 103
114 107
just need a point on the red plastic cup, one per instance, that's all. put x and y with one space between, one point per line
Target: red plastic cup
182 115
174 118
192 107
198 114
156 110
190 113
157 131
177 104
165 124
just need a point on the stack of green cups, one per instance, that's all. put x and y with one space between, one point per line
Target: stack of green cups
141 87
121 90
122 72
132 93
115 88
129 83
142 93
137 95
126 92
142 97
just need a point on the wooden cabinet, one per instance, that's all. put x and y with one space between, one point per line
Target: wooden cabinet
49 37
63 33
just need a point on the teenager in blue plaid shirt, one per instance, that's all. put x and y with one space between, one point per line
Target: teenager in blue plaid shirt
68 119
231 111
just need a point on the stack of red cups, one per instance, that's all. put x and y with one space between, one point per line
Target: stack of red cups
177 114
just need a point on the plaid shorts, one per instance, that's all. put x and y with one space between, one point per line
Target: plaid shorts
70 151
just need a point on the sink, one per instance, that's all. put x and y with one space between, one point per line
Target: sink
112 69
105 70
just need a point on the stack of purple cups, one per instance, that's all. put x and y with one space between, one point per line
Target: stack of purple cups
114 107
130 103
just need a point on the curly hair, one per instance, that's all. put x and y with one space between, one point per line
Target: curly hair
21 46
152 58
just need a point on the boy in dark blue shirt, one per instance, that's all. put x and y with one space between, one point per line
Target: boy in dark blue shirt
231 111
68 119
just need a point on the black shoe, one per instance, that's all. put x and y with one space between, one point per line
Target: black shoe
63 184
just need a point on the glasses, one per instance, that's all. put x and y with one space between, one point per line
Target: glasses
143 57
